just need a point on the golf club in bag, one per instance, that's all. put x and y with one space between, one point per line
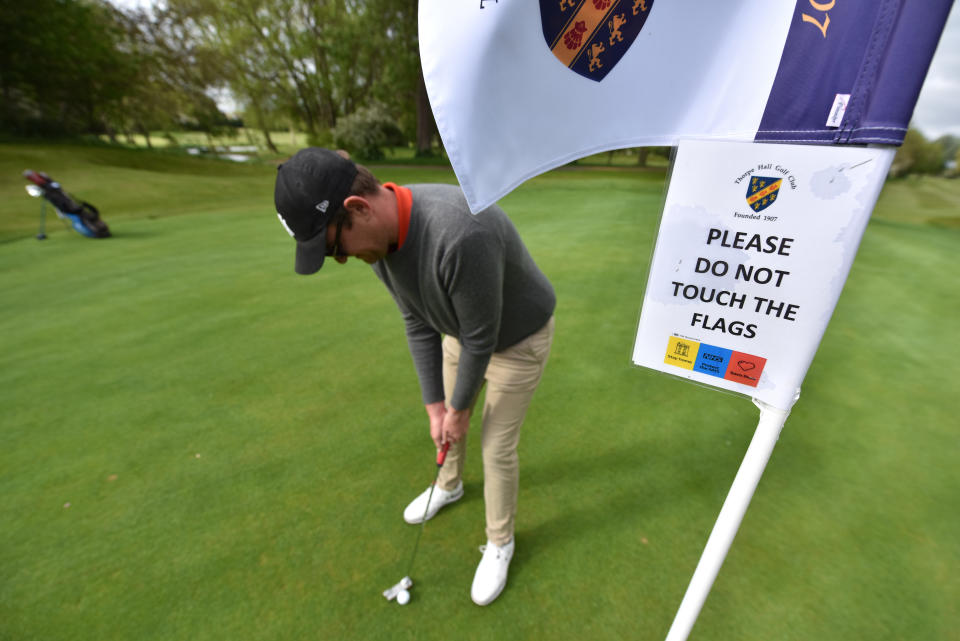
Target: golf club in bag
81 215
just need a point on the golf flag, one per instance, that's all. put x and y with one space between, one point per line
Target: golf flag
520 87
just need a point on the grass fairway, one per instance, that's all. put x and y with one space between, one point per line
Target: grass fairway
196 443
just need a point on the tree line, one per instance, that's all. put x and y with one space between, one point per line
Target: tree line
346 72
84 66
918 155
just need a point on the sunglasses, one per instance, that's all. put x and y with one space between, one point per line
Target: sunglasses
334 251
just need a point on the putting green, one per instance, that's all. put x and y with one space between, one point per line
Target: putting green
197 443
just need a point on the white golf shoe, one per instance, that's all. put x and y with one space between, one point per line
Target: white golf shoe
415 511
491 576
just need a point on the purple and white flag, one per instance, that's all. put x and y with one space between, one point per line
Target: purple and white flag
521 87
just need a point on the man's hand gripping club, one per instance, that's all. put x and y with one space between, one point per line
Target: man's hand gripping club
447 425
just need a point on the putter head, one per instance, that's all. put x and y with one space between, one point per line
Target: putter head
391 593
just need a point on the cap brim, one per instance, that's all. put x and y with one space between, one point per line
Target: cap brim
310 253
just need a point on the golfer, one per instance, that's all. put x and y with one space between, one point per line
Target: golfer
477 311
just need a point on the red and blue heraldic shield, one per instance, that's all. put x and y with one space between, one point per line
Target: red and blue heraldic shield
762 192
591 36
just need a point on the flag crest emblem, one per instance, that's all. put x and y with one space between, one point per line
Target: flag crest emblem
591 36
762 191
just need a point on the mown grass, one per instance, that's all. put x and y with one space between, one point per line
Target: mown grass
197 443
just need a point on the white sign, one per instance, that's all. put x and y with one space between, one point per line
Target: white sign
755 244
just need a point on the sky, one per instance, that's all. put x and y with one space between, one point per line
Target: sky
938 109
937 112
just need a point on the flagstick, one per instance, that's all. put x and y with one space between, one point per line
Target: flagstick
731 514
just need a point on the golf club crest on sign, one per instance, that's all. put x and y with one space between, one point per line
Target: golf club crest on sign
762 192
591 36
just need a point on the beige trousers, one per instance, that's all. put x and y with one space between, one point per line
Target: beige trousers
511 379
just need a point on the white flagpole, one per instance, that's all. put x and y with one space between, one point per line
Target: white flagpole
731 515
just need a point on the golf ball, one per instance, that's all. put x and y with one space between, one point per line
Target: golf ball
403 597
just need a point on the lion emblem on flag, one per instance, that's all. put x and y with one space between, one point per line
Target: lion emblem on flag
762 192
591 36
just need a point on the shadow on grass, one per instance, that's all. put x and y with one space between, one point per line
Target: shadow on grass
127 234
590 494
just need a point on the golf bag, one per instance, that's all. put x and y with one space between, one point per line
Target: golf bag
81 215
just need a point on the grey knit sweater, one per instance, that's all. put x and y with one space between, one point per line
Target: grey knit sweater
464 275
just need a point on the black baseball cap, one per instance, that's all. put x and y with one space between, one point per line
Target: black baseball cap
310 189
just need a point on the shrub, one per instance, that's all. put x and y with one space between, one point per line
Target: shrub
366 132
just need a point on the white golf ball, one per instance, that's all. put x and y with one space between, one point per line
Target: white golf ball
403 597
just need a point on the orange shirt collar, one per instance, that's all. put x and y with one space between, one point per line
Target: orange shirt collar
404 204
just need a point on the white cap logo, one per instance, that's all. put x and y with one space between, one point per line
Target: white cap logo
285 226
322 206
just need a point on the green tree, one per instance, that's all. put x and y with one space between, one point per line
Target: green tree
314 62
366 132
392 29
950 144
917 156
174 74
274 54
61 70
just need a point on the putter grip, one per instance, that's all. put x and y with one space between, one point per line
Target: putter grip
442 454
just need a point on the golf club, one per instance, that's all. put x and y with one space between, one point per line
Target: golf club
406 582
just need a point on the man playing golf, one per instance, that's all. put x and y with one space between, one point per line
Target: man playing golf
478 311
